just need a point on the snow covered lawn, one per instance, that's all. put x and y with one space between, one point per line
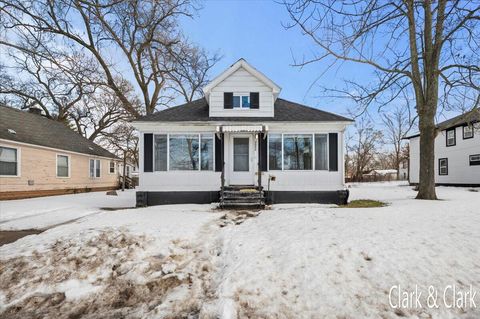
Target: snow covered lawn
291 261
43 212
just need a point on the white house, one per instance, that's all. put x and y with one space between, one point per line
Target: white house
457 152
240 136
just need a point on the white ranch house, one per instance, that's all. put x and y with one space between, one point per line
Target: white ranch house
457 152
240 139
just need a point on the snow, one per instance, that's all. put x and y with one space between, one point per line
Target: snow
44 212
290 261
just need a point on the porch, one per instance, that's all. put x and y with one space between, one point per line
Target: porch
243 151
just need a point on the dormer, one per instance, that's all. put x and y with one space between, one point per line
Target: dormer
241 91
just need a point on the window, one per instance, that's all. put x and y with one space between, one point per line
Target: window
95 168
297 152
8 161
63 163
451 137
206 147
467 132
241 154
241 100
112 167
183 152
474 159
321 152
443 166
275 152
160 152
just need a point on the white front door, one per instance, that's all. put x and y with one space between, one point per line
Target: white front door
242 166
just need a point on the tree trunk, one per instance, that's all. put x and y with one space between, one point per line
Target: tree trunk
426 189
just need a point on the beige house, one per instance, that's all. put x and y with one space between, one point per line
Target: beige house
40 157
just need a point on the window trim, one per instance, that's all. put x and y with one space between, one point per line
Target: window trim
68 162
242 94
114 167
463 132
440 166
470 160
19 160
454 136
95 167
199 135
283 152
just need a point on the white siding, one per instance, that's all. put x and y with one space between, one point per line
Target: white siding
459 169
210 181
241 81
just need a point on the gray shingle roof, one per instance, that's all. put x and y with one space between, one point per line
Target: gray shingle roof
285 111
472 116
38 130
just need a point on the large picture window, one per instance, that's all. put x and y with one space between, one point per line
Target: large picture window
275 152
8 161
63 163
183 152
297 152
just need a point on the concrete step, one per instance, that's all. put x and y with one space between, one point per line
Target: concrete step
235 194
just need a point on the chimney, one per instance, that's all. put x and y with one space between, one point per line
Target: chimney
35 110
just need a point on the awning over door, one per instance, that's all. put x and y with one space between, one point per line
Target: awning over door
242 128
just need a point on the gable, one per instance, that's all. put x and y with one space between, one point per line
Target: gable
250 71
241 80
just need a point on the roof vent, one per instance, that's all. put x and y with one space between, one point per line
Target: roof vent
35 110
11 131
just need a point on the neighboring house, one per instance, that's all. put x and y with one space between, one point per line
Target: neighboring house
381 175
39 157
131 170
457 151
403 171
241 135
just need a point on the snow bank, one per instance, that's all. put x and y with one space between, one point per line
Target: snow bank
43 212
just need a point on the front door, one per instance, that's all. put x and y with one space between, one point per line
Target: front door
242 171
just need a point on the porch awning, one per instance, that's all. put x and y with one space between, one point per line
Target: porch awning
242 128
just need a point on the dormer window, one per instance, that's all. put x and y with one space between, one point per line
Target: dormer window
241 100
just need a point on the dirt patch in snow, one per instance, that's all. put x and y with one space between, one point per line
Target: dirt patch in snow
9 236
104 275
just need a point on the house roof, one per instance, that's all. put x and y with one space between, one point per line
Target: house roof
242 63
472 116
25 127
285 111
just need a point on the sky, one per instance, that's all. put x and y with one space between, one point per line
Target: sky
254 30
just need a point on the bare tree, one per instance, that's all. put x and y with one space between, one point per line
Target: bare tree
101 112
56 82
362 146
190 76
142 36
397 122
413 46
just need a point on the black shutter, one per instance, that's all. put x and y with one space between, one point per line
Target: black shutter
333 151
218 154
228 100
262 146
148 152
254 100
